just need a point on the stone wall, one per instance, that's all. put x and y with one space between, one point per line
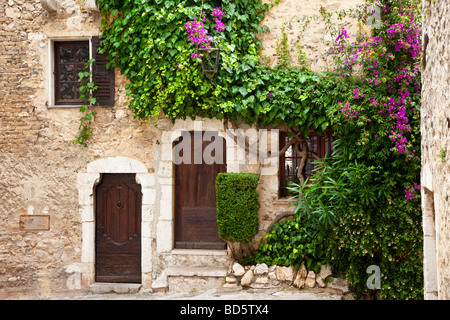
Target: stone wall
435 127
41 172
292 14
261 276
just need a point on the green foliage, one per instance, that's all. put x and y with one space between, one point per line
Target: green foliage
86 89
291 243
148 42
443 154
237 206
361 202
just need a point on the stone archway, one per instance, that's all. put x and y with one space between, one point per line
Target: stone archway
86 183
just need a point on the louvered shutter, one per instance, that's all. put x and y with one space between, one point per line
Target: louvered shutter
102 76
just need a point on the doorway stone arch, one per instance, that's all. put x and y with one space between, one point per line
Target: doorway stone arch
86 182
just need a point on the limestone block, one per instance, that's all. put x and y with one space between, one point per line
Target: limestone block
339 284
91 5
286 274
248 278
260 282
310 281
261 269
325 271
238 270
164 236
300 279
145 179
231 279
50 5
148 196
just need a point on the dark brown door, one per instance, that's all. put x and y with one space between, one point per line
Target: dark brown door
118 229
195 197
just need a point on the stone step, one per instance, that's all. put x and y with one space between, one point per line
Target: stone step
188 278
104 287
199 258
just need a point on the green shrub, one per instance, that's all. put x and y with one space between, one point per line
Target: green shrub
291 243
237 206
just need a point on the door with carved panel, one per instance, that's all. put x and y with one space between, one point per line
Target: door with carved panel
118 229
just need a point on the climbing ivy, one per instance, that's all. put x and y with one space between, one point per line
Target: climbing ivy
87 88
148 41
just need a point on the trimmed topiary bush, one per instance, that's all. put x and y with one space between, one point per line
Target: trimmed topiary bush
237 208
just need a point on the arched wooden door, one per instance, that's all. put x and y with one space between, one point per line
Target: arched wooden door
195 195
118 229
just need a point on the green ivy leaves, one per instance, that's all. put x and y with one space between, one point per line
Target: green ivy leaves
148 42
86 89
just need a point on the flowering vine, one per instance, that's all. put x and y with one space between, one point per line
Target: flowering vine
198 35
385 71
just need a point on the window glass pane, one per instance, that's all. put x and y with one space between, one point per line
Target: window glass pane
66 54
312 144
66 73
308 168
289 152
66 91
80 68
82 54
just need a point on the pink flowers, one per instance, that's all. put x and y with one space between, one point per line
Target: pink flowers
218 14
343 34
410 191
198 35
348 112
357 94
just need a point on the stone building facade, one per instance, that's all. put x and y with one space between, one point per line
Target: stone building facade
435 128
42 175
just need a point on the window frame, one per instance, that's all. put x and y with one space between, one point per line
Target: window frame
321 152
105 94
57 67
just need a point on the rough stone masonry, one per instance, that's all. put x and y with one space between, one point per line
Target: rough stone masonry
42 173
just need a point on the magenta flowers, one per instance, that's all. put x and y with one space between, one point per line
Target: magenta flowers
218 14
197 33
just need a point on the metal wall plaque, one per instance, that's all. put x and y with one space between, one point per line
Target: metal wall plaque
34 222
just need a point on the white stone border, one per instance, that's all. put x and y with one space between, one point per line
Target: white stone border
166 177
86 183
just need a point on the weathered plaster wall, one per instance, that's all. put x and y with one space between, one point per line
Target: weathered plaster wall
435 129
42 173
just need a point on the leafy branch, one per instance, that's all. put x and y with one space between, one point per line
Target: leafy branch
86 92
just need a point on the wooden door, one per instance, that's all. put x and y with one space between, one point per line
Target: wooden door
195 199
118 229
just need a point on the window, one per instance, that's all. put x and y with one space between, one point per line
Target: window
290 160
69 59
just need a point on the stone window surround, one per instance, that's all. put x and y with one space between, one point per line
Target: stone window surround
51 66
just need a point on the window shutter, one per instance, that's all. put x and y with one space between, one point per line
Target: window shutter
102 76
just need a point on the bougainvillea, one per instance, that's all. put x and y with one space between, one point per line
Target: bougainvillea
364 202
197 34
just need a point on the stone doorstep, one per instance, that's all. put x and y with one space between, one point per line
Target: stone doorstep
183 271
104 287
196 271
